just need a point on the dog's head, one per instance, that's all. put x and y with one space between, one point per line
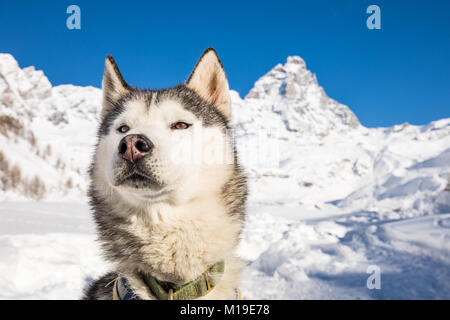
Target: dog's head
165 145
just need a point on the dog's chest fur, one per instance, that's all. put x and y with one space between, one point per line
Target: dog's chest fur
178 243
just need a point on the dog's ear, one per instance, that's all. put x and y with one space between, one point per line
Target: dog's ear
209 80
113 85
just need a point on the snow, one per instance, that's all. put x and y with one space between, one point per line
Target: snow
47 250
328 258
431 231
329 198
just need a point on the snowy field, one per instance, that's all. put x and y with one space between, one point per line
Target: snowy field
48 251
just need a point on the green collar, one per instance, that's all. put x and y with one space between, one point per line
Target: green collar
192 290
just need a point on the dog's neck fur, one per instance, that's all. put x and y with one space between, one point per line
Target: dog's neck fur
174 243
181 242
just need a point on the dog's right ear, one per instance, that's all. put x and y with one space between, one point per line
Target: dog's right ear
113 86
209 80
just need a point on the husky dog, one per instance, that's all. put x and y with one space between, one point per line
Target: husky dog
167 192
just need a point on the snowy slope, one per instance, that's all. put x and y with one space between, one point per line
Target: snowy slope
47 133
329 197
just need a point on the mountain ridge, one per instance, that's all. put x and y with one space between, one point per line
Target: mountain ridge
294 140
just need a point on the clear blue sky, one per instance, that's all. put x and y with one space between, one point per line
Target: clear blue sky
398 74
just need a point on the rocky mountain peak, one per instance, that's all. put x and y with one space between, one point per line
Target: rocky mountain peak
293 92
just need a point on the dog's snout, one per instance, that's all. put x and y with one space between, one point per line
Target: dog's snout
134 146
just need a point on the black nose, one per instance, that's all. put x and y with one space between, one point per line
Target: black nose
134 146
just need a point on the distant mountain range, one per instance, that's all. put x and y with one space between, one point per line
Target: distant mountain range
299 146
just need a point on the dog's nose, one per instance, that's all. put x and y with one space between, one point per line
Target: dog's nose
134 146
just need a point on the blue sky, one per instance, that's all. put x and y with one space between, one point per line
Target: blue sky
398 74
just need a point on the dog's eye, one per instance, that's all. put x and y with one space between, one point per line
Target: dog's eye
180 125
123 129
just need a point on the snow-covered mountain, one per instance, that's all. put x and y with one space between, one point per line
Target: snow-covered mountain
303 146
46 134
324 191
312 150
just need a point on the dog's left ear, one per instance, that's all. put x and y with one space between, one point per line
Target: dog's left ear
209 80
